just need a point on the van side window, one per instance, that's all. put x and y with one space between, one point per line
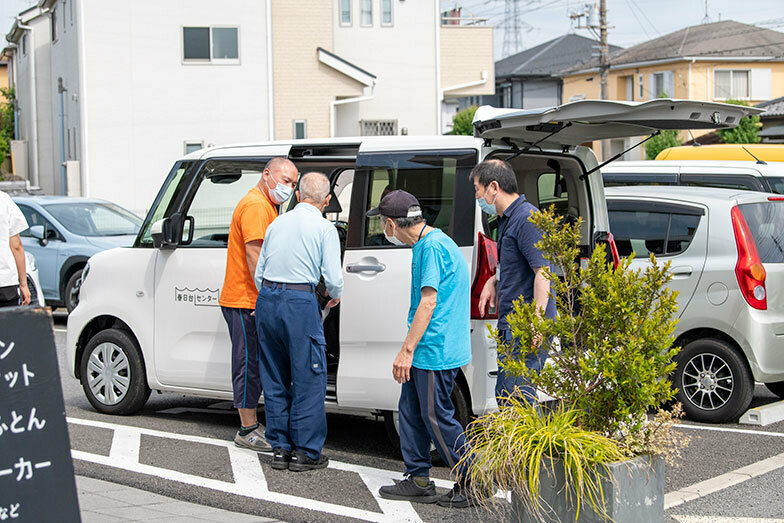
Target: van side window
776 184
625 179
439 180
739 182
167 200
223 184
646 232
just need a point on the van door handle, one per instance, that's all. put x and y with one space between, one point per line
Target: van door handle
358 267
682 272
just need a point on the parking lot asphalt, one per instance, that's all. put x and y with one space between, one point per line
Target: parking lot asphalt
181 447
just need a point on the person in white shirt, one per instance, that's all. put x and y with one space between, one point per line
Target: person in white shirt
13 274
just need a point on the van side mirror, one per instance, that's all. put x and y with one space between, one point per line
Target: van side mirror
38 232
167 233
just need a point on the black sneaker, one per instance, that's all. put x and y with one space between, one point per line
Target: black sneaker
458 497
408 490
300 462
281 459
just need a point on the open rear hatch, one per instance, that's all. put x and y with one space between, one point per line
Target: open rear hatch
575 123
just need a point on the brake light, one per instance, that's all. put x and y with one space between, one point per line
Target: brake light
486 265
748 270
776 199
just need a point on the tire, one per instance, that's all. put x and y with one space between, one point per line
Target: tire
119 347
776 388
713 380
462 415
71 291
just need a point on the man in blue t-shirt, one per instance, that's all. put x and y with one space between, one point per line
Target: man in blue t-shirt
521 265
437 345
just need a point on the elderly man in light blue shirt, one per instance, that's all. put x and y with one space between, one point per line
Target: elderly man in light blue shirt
299 247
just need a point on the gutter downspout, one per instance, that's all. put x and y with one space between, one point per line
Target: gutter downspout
33 100
270 84
690 64
335 103
63 175
439 94
84 179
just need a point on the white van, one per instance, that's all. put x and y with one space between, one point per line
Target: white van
148 315
724 174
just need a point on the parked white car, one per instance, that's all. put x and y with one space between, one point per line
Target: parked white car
726 248
148 316
33 283
744 176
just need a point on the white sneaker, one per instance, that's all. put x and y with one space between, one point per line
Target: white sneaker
254 440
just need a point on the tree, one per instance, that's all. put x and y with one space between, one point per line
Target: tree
657 144
747 130
462 123
6 123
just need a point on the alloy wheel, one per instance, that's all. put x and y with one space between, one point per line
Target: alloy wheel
707 381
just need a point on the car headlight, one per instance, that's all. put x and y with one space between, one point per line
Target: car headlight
30 259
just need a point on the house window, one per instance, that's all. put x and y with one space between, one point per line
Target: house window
210 44
54 24
345 12
658 84
386 12
300 129
378 127
366 14
642 88
731 84
193 146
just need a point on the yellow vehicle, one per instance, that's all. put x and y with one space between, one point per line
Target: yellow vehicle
727 151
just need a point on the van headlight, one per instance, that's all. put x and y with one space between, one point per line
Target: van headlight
30 261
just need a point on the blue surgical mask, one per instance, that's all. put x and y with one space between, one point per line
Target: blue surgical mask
281 193
488 208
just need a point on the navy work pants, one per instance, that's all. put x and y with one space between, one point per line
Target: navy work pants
426 414
506 385
292 359
244 357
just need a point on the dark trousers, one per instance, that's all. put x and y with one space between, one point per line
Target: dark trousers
246 383
426 414
293 369
506 385
9 296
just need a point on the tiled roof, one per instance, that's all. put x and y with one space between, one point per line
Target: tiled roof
773 107
550 58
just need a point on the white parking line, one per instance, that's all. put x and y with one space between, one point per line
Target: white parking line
715 519
249 480
727 429
730 479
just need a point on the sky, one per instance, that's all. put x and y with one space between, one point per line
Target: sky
631 21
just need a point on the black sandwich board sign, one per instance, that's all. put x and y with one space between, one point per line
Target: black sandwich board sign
36 471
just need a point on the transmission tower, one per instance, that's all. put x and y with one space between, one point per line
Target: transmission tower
513 37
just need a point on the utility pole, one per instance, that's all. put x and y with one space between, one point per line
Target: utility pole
513 40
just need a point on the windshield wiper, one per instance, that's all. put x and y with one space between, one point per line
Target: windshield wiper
584 176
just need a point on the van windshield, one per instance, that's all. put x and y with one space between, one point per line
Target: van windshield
764 220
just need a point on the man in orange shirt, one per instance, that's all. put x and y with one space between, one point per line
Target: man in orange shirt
238 297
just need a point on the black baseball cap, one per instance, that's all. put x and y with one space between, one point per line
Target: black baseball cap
396 204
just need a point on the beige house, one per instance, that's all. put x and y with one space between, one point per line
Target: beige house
358 67
714 62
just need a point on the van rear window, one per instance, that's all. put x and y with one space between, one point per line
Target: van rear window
765 221
776 184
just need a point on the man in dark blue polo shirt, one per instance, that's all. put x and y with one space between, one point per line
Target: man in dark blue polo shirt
520 264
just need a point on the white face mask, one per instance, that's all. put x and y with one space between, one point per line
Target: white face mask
281 193
391 239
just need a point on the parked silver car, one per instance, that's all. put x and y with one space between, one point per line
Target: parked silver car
727 253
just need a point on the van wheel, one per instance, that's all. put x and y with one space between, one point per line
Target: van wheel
776 388
462 415
113 374
713 381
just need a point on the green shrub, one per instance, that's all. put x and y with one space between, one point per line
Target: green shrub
747 130
6 122
462 122
664 140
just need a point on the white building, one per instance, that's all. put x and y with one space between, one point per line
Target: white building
142 82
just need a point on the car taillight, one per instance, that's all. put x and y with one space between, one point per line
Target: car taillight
486 265
748 270
612 250
776 199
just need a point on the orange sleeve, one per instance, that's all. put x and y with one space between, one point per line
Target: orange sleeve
254 222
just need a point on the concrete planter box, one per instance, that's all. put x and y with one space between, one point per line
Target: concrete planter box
635 494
